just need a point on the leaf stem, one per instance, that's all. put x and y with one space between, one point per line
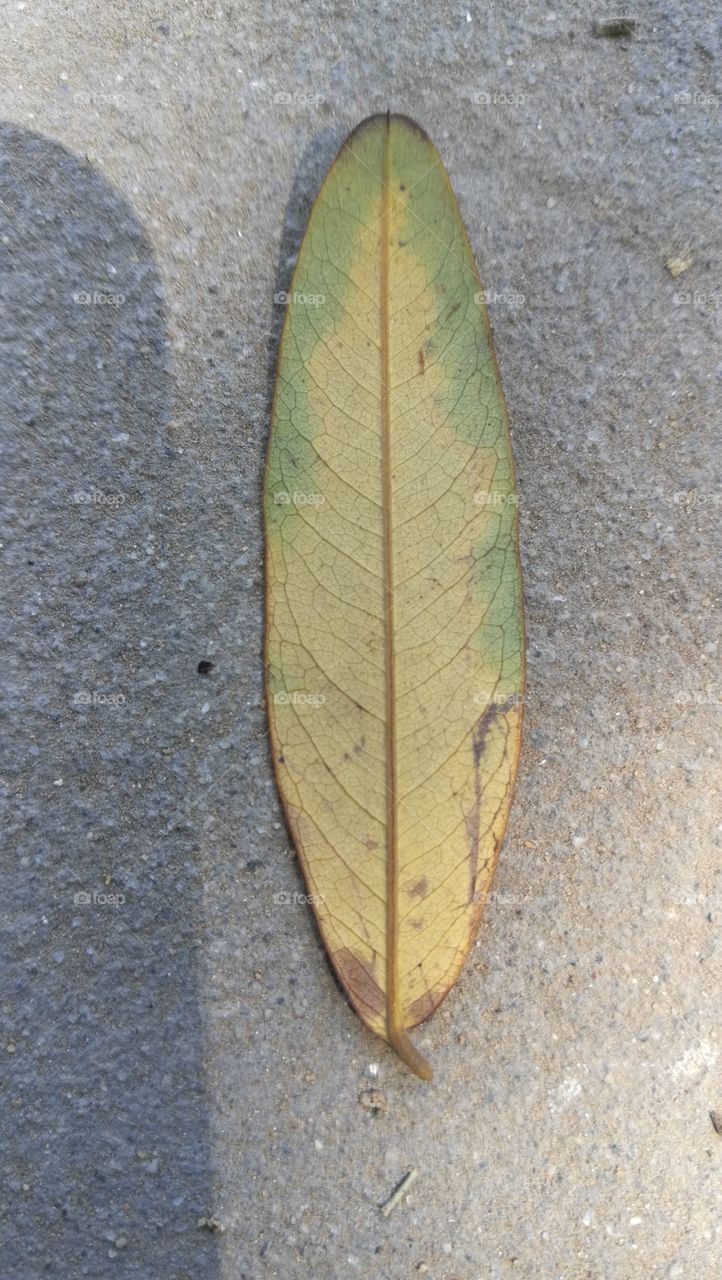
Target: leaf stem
395 1031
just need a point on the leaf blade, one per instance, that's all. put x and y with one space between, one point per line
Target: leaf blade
394 624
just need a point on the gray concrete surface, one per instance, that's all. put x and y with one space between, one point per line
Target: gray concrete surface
175 1050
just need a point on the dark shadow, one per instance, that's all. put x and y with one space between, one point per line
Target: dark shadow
107 1159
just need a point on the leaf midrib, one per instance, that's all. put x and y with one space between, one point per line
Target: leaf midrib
395 1031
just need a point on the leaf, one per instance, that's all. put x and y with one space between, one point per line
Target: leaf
394 631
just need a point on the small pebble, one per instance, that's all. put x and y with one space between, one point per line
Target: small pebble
678 264
213 1225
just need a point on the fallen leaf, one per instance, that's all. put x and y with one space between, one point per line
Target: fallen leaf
394 633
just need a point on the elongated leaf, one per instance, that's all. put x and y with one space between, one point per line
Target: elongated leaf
394 631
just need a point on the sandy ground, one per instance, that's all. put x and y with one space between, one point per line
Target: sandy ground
175 1049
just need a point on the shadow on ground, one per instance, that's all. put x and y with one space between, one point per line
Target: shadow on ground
107 1162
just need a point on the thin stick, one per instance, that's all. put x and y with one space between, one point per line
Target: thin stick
615 27
396 1195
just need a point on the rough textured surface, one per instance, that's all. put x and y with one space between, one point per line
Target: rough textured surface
183 1054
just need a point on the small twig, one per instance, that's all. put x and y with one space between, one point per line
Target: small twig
615 27
396 1195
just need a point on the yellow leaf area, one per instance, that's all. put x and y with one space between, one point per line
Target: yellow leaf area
394 636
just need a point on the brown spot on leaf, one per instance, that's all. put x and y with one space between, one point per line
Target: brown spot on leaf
358 979
473 819
422 362
422 1007
418 889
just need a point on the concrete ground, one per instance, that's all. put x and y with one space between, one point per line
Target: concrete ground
181 1074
